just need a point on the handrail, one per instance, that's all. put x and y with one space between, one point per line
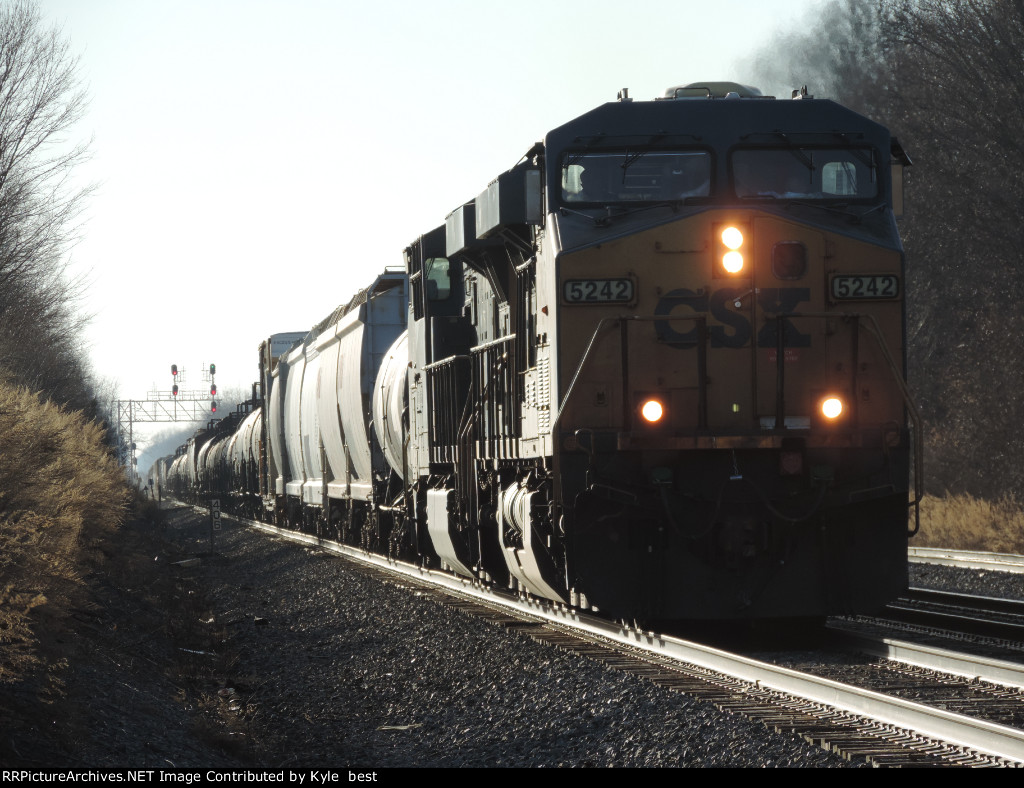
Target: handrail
493 343
701 321
445 362
872 326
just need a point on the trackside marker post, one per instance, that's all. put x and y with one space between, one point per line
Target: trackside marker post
214 518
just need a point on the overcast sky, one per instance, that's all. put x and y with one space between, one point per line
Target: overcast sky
258 162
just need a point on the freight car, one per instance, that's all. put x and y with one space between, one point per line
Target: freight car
657 368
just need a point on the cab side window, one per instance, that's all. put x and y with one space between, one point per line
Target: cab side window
438 278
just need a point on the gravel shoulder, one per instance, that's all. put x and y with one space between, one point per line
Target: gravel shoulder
1002 585
121 691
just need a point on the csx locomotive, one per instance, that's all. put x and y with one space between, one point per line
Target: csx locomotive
657 368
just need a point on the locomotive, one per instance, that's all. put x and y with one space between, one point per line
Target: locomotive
655 369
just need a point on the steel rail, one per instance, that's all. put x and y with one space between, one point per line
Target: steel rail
967 559
958 729
956 620
972 602
971 666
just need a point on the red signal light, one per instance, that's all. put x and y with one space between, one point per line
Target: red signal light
174 369
213 389
174 390
213 407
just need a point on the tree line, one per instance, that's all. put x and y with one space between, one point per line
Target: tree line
947 77
62 494
41 101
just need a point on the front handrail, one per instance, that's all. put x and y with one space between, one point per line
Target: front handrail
862 318
700 320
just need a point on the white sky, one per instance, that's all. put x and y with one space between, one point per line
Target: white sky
259 161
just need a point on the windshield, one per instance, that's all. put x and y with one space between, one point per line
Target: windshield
805 173
635 176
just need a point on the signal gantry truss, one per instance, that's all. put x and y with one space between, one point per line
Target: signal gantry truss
159 406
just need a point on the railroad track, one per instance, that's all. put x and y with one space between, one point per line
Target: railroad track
954 638
990 627
858 723
967 559
1000 619
971 602
978 686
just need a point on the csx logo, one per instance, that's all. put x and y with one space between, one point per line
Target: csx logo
733 328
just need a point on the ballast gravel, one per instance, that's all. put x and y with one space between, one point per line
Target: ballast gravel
261 653
1003 585
340 669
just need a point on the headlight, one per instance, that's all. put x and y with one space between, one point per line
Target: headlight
729 239
732 262
732 237
652 411
832 408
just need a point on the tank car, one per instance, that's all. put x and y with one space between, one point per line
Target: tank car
657 369
156 478
218 462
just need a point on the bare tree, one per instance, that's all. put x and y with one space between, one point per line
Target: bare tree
41 100
946 77
838 53
959 68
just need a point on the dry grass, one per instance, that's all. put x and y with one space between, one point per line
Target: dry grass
962 522
61 495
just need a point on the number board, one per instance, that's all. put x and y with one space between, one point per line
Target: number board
865 287
597 291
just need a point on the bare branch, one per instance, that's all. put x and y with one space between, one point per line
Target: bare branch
41 100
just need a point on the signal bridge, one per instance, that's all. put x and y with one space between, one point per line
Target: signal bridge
159 406
175 404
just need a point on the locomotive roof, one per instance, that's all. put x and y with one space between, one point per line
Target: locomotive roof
718 122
